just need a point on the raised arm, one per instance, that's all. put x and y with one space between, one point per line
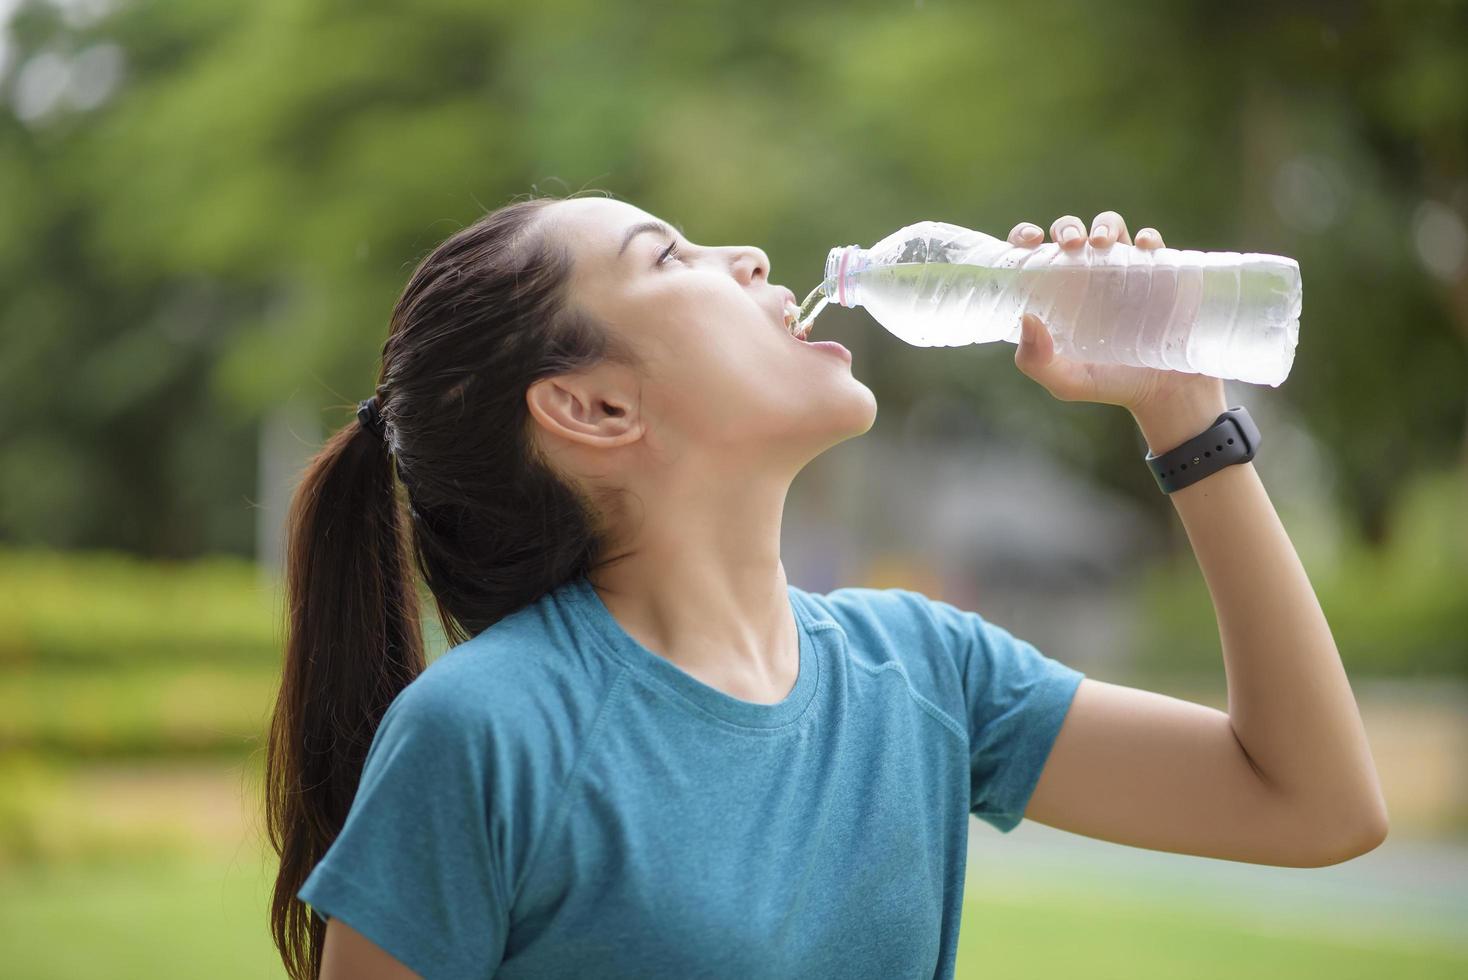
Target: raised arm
1286 776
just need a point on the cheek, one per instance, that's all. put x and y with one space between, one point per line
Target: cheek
715 373
716 365
720 379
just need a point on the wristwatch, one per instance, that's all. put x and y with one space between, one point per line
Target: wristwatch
1233 438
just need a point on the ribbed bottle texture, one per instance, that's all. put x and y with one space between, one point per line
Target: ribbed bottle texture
1225 314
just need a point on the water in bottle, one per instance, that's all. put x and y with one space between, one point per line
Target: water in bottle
1225 314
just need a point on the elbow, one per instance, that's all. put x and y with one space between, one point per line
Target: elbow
1372 834
1334 831
1378 823
1376 829
1364 844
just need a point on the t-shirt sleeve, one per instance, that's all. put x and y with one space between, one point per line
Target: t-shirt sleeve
418 865
1016 699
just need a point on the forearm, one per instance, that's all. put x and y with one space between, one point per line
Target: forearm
1289 700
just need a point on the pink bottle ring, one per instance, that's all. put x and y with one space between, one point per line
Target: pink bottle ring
841 278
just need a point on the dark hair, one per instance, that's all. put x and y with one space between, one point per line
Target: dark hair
488 522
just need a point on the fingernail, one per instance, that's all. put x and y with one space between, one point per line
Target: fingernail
1069 234
1100 231
1029 231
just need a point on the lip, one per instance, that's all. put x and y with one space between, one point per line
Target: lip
832 347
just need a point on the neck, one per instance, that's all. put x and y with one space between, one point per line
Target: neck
701 581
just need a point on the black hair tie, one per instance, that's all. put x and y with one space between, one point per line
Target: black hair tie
369 414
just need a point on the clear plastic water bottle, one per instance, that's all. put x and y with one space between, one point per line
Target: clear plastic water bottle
1225 314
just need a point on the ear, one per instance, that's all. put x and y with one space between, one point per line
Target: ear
594 408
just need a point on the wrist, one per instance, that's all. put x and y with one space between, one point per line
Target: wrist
1171 420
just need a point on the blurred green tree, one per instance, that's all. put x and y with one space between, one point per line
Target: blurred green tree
209 210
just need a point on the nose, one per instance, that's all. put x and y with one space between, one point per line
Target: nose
751 264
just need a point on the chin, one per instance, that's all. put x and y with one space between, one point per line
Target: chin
868 413
849 413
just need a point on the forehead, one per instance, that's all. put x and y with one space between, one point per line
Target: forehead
594 228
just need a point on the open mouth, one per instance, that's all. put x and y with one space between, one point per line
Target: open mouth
793 325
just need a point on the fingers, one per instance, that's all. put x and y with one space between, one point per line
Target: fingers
1149 238
1025 233
1108 228
1068 232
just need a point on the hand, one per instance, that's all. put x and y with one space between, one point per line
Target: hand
1135 388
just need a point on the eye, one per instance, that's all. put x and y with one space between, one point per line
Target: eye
672 249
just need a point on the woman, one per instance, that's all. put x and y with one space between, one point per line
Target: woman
649 755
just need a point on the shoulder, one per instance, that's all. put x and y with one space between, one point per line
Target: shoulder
530 681
931 638
891 619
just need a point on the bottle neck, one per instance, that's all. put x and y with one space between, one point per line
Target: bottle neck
842 265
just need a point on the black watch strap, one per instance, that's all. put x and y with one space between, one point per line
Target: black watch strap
1233 438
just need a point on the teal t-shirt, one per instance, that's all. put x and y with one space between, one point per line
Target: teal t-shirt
553 799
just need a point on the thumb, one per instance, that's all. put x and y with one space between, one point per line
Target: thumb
1035 357
1036 347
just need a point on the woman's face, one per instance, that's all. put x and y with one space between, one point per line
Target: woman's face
719 369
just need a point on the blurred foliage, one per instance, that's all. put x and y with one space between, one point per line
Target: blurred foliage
209 209
114 610
1401 610
108 655
44 819
179 710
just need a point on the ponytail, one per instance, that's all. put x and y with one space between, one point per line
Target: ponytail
353 642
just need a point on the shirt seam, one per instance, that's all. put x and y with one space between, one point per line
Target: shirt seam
564 794
704 714
957 729
938 714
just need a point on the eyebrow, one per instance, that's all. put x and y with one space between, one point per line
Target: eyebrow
638 229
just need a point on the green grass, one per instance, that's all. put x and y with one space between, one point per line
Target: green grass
202 917
1052 934
155 919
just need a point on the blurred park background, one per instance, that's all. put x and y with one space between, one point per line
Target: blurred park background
207 210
